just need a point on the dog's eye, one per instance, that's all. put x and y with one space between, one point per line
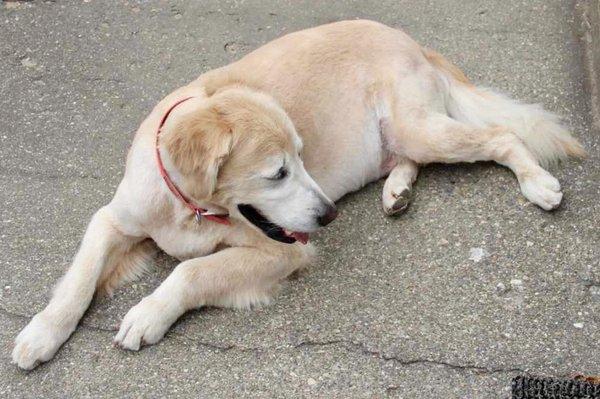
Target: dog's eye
281 174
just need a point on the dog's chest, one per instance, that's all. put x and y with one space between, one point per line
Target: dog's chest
185 243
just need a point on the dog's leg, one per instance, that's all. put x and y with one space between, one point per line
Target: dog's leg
397 190
434 137
234 277
101 247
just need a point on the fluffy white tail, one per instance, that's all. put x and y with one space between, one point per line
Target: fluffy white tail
540 130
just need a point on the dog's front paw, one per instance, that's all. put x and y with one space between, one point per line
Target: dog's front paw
38 342
542 189
146 323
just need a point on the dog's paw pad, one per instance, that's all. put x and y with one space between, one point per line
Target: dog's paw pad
397 202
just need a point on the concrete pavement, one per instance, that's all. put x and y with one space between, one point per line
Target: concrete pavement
470 287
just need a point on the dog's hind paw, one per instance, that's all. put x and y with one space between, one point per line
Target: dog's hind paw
542 189
395 203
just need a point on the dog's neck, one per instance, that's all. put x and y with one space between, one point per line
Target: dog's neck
197 210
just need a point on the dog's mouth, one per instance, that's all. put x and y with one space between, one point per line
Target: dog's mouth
272 230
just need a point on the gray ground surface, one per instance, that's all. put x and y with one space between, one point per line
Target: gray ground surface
394 307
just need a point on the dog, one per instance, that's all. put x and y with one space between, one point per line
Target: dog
230 173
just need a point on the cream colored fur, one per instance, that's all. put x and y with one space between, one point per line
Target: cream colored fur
356 100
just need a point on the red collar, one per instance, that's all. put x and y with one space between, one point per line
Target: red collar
199 212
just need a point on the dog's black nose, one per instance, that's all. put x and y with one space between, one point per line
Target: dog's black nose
330 214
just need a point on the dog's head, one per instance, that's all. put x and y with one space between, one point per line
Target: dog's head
240 150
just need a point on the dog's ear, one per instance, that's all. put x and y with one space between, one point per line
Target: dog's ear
198 145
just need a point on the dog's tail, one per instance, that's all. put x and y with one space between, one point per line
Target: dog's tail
540 130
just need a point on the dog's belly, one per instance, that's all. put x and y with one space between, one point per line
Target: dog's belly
357 158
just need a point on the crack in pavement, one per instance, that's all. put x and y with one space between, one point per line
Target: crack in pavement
409 362
477 369
348 345
13 314
85 326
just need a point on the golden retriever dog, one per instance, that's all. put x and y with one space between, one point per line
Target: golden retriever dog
231 173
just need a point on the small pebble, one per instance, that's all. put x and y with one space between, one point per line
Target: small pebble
311 382
516 284
477 254
578 325
28 62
